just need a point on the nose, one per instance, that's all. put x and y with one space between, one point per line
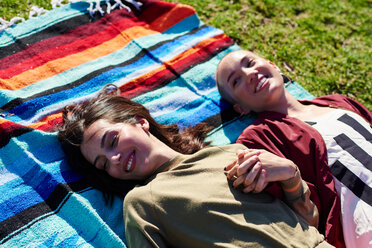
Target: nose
249 74
114 157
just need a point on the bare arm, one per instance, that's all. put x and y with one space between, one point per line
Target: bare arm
254 169
297 195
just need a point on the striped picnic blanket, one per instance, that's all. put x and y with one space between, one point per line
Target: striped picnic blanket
159 54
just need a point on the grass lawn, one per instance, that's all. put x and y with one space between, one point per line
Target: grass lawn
325 45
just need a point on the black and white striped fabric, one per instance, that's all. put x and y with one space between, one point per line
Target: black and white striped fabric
348 138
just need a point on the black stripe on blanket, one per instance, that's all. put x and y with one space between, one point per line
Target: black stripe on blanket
352 182
17 101
52 31
226 115
55 30
23 220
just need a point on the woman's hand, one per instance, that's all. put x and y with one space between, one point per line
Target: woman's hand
254 169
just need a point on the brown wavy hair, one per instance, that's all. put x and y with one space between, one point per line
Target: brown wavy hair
117 109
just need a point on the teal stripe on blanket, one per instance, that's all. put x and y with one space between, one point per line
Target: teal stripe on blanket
195 83
35 25
54 168
99 233
58 172
17 147
171 103
66 229
228 132
31 166
54 236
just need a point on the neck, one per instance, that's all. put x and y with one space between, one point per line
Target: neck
288 105
163 152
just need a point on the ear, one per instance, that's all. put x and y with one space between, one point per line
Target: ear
241 110
274 65
143 123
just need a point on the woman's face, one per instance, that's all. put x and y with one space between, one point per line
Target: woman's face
250 81
123 150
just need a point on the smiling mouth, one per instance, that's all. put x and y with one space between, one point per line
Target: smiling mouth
261 81
131 163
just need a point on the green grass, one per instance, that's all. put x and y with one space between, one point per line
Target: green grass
325 45
21 8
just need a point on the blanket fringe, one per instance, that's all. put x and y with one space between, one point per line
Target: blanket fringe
94 7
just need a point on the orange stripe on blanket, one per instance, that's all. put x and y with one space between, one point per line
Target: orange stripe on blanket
60 65
49 121
57 66
3 121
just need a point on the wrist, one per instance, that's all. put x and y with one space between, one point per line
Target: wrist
294 182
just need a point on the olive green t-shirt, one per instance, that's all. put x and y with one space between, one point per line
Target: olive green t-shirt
192 204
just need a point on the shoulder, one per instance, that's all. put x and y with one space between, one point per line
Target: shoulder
335 100
341 101
217 154
273 124
232 148
213 151
279 134
138 195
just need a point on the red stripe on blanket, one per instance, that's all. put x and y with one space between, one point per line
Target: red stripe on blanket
49 123
152 80
10 129
9 126
76 46
151 10
175 15
81 32
86 30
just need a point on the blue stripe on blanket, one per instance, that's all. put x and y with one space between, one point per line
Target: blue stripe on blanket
36 107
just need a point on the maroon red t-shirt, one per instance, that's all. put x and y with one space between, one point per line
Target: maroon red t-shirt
292 138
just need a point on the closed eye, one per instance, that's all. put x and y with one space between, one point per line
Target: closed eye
249 63
235 81
101 163
114 141
105 164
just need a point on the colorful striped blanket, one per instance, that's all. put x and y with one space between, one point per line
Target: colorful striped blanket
159 54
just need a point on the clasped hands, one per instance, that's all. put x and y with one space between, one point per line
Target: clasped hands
254 169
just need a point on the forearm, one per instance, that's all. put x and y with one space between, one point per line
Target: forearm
297 195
